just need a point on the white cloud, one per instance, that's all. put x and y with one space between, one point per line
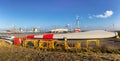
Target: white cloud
107 14
90 17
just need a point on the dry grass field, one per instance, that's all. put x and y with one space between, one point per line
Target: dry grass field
18 53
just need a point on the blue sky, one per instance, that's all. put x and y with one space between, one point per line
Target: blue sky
93 14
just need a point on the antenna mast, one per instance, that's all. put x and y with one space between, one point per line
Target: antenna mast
78 22
78 26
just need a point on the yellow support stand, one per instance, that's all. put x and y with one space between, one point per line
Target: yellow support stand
66 46
46 44
88 41
41 44
118 37
52 45
35 42
78 45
